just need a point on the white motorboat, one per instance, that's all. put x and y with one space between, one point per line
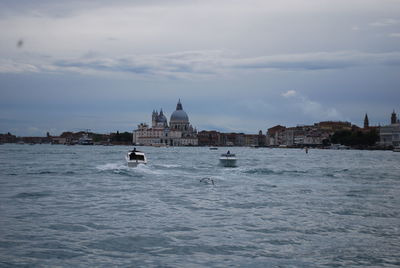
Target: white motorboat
135 157
85 140
228 160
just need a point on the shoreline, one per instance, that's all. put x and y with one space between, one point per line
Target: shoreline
361 148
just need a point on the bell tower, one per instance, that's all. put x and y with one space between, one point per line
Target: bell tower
393 118
154 118
366 121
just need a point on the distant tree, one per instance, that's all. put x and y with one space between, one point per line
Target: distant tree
124 137
355 138
325 142
372 137
99 137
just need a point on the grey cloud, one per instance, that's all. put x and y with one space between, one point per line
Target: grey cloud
318 61
385 22
109 65
204 63
199 63
57 9
9 66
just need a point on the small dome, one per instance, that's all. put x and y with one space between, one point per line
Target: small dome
179 115
161 117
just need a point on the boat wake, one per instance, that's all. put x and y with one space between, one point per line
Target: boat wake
124 169
112 167
168 165
146 169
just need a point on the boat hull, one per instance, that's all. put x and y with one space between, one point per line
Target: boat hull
134 163
227 162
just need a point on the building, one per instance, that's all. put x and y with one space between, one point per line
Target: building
334 126
215 138
209 138
390 135
305 135
251 140
179 132
275 135
8 138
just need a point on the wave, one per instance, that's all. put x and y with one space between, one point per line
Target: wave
267 171
122 168
112 166
168 165
32 194
43 172
147 169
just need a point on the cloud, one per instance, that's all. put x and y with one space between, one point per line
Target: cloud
394 35
384 22
228 123
316 61
33 130
289 93
10 66
311 108
173 64
190 64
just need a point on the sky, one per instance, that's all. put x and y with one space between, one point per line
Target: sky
237 66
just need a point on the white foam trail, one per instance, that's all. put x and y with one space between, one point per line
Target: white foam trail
169 165
141 168
146 169
112 166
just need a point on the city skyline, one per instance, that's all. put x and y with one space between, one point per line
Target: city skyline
238 67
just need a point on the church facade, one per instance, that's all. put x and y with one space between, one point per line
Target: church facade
179 131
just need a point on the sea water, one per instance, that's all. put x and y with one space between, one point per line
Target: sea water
81 206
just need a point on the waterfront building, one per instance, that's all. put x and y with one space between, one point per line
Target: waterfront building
389 135
307 135
334 126
179 132
215 138
8 138
251 140
59 140
209 138
275 135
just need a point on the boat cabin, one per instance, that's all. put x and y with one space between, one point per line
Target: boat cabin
134 156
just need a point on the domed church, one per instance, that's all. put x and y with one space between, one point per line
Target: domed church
180 121
178 133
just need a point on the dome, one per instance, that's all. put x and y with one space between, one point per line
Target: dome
179 114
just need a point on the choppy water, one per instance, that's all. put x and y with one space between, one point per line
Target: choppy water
81 206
